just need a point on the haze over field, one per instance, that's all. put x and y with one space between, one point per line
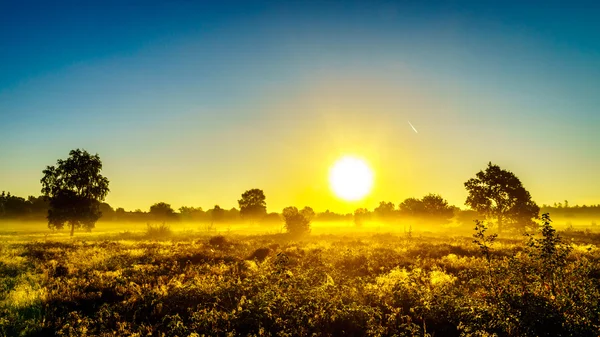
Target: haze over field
194 103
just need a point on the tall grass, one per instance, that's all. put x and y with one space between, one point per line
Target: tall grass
158 231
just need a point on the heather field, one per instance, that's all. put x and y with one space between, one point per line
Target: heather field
189 282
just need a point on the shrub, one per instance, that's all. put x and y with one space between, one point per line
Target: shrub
297 222
219 241
260 254
158 231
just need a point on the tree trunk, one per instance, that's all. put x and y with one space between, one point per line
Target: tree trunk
72 229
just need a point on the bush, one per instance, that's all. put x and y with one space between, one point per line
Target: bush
219 241
297 222
158 231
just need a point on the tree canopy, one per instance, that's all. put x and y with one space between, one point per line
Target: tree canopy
385 210
75 189
298 222
499 194
162 211
431 207
252 204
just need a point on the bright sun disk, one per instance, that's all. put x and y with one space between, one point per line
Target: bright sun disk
351 178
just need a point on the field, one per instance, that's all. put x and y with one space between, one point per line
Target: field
191 281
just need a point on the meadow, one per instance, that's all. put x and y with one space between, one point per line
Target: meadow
192 280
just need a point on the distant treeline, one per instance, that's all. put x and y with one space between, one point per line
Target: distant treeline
430 207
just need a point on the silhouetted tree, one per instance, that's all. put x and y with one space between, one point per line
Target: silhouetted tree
436 208
411 207
38 206
253 205
297 222
120 213
499 194
232 215
162 211
12 206
385 210
191 213
360 216
75 189
217 214
308 213
108 213
430 207
331 216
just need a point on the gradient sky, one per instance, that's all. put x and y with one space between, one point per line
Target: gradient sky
193 103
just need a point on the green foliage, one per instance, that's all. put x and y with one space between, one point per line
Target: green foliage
323 286
482 240
549 253
75 188
499 194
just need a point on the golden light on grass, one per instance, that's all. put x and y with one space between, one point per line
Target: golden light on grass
351 178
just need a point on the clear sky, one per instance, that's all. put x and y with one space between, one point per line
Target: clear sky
194 102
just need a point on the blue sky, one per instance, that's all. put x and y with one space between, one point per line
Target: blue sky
194 102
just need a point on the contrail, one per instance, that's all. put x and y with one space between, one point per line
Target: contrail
413 127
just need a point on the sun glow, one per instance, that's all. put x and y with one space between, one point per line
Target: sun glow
351 178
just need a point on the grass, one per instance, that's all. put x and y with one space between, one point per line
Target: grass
193 284
158 231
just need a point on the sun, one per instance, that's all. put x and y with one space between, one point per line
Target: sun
351 178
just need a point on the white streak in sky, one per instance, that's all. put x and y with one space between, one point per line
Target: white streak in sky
413 127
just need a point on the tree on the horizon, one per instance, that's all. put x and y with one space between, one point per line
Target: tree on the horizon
191 213
308 213
437 208
297 223
253 205
162 211
411 207
499 194
360 216
430 207
217 214
75 189
385 210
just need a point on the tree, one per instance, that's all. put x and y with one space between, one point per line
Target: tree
499 194
412 207
360 216
297 222
217 214
253 205
12 206
385 210
436 208
431 207
191 213
108 213
75 189
308 213
162 211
